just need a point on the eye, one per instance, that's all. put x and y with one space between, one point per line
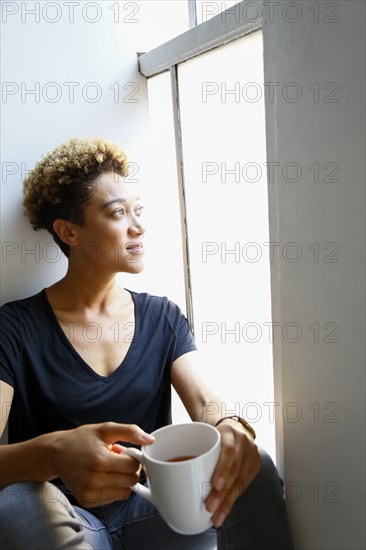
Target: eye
119 212
138 210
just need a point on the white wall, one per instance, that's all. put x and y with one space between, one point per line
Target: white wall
321 436
93 46
81 63
36 54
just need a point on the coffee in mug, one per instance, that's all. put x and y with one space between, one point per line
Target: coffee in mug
180 458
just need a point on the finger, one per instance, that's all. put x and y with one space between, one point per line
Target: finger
231 490
110 480
116 448
218 500
110 432
226 471
227 458
239 474
120 463
227 498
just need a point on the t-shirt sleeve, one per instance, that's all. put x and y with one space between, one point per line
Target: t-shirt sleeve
9 344
6 374
184 340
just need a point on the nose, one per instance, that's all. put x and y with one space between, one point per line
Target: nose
136 228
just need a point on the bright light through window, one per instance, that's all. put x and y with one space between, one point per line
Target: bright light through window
221 97
223 132
158 186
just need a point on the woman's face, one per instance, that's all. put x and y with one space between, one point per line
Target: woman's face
111 237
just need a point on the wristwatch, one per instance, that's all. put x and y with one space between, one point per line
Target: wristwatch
242 421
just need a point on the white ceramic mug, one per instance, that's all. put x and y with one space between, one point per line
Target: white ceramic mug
179 489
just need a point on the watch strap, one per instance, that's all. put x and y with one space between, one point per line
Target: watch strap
242 421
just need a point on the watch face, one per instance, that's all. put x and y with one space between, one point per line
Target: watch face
246 425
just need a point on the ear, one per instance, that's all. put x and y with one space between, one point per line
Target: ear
66 232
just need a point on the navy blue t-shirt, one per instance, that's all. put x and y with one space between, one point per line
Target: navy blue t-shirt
55 389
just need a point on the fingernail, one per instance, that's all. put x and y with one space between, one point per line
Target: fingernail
213 506
220 520
147 438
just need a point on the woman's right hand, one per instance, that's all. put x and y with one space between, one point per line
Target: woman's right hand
92 466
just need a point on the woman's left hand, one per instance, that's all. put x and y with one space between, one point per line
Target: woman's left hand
238 464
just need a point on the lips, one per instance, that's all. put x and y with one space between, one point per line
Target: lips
135 248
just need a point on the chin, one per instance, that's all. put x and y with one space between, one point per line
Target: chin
134 268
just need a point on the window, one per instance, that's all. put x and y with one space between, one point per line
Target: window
210 100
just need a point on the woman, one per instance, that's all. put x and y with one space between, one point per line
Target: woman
85 364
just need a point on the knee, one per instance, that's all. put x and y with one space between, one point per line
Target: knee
25 506
27 494
267 486
268 470
261 511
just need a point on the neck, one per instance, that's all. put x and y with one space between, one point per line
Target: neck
86 289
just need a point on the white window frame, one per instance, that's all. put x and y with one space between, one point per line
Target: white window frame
221 29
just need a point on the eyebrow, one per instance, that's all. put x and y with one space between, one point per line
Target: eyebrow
119 200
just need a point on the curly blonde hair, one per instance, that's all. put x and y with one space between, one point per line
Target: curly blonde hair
62 182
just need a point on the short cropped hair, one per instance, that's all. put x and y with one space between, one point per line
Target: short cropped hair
62 182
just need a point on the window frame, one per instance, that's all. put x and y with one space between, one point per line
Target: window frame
192 10
214 33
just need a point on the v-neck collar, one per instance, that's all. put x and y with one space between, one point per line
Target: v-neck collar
77 356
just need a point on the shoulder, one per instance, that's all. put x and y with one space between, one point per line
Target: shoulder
18 319
23 303
161 320
152 306
147 300
18 311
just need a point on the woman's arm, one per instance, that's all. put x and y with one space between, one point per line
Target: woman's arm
22 461
239 460
6 399
201 403
85 458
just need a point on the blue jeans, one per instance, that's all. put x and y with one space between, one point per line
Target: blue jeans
38 516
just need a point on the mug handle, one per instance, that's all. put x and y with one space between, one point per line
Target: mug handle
138 488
